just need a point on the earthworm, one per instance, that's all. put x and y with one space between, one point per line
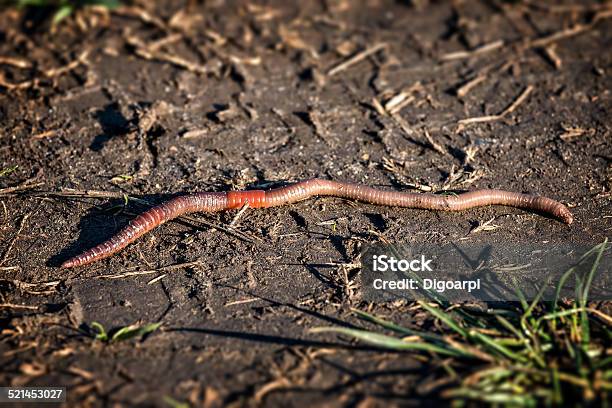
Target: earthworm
212 202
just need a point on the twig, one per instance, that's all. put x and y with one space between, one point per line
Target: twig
277 384
243 209
569 8
518 101
484 226
293 40
53 72
152 53
467 87
16 62
86 193
482 75
241 302
157 279
9 85
532 43
570 133
46 134
560 35
14 306
29 287
477 51
419 186
169 39
355 59
551 54
230 231
175 60
152 271
143 15
491 118
49 73
22 187
402 124
378 107
434 144
10 247
600 314
410 132
572 31
399 102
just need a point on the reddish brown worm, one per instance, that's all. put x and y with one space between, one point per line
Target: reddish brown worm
211 202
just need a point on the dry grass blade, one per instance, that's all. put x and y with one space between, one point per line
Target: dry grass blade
483 49
20 188
381 340
355 59
573 132
152 53
492 118
435 145
22 223
14 306
484 226
16 62
122 275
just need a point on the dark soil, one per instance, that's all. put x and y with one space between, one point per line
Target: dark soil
157 100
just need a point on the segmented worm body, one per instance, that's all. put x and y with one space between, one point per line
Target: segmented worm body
212 202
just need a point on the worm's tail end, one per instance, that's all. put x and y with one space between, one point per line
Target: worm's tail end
566 216
148 220
68 264
101 251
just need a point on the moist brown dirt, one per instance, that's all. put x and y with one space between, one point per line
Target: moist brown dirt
175 97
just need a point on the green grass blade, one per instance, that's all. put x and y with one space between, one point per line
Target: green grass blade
172 403
521 297
509 326
508 399
524 342
37 3
557 394
389 342
589 281
492 344
560 286
584 319
445 317
102 335
61 13
603 363
8 170
109 4
396 328
131 331
572 270
562 313
534 303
